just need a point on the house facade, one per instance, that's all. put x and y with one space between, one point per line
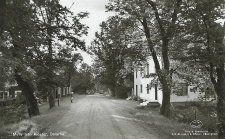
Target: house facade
142 83
62 91
12 92
146 89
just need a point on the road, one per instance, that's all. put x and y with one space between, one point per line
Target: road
99 117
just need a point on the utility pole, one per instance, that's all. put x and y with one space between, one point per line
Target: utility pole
58 96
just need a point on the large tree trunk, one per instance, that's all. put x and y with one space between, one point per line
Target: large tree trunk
28 91
51 99
165 80
161 72
165 108
2 16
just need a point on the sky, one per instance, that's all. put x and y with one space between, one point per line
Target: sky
97 14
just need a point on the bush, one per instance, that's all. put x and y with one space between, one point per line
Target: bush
135 98
122 92
22 127
12 111
196 111
25 126
141 100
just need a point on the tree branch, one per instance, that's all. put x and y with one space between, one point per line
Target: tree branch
153 5
150 44
174 19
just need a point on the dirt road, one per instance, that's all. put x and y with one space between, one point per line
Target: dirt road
98 117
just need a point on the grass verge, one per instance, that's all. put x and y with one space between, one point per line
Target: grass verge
166 128
35 124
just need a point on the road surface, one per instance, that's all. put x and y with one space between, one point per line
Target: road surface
98 117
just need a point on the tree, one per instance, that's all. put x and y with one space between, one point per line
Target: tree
82 80
113 49
159 21
2 16
60 36
33 45
203 48
17 39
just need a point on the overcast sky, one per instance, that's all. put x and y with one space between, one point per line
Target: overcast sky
97 14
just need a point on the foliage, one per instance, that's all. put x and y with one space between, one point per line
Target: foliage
158 22
203 111
82 79
201 44
115 49
61 33
39 41
23 127
13 110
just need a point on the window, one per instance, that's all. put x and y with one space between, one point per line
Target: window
18 92
6 95
136 73
184 89
141 72
64 92
222 6
156 93
147 88
136 89
147 69
181 89
1 94
141 88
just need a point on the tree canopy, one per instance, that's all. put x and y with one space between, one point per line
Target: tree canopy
37 40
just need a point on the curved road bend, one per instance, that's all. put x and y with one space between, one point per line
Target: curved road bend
98 117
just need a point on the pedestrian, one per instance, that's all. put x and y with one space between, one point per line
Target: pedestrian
71 99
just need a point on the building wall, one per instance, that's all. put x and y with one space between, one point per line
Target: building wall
11 92
4 94
142 82
62 91
150 94
137 82
17 92
191 96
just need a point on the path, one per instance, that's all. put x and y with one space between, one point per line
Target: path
98 117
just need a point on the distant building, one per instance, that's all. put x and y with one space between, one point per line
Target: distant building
11 92
14 90
62 91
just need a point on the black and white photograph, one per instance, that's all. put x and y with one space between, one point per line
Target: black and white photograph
112 69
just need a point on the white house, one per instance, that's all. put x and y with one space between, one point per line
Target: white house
141 83
142 87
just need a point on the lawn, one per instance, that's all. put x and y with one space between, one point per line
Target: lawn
35 124
171 128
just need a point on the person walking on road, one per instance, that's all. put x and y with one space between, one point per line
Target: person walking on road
71 98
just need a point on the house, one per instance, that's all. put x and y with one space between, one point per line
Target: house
147 88
62 91
141 83
11 92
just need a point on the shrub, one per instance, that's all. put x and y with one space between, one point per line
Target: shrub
196 111
141 100
13 111
22 127
135 98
